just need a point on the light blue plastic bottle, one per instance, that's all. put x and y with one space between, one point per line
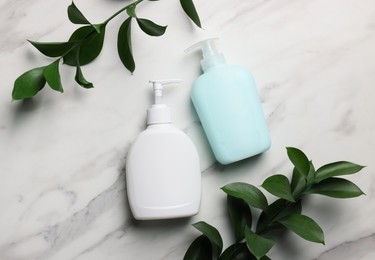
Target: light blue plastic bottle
227 102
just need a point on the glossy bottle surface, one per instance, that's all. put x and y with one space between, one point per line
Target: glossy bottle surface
227 103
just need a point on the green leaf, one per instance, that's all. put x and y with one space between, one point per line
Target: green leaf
311 175
239 215
336 188
212 234
75 15
53 49
304 226
279 186
80 79
131 11
150 27
190 10
28 84
200 249
336 169
52 76
90 44
299 160
249 193
237 251
266 219
99 27
258 245
298 183
278 209
124 45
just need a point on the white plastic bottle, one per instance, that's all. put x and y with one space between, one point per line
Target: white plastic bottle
163 175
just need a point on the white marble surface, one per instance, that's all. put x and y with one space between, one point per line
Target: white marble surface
62 156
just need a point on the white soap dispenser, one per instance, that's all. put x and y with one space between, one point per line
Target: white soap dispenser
163 175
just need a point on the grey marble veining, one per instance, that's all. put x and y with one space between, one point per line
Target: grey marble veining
62 156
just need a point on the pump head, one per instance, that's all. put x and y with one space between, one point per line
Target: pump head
159 113
158 86
211 56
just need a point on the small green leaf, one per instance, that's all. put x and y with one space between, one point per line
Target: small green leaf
80 79
124 45
249 193
266 222
239 215
299 160
190 10
52 76
336 188
237 251
311 175
304 226
99 27
278 209
75 15
150 27
28 84
200 249
336 169
258 245
53 49
90 45
131 11
298 183
288 209
279 186
212 234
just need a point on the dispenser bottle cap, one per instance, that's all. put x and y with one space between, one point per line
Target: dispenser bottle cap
159 113
211 56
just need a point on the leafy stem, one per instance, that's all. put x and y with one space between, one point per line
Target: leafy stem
284 213
269 223
133 5
85 45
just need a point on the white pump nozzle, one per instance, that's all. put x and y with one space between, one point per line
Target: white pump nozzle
159 113
158 86
211 56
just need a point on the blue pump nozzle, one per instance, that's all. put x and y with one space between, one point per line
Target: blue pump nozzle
211 56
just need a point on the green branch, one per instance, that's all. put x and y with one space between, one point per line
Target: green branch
85 45
283 214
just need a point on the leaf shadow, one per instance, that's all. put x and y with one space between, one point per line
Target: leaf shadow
26 106
285 240
23 109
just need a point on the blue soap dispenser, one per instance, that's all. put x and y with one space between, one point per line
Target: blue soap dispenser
227 103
